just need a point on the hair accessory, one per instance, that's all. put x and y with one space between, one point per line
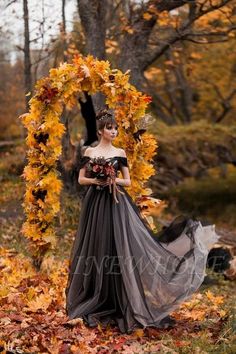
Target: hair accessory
105 116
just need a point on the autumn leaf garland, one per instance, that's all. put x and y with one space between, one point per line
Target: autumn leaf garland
62 87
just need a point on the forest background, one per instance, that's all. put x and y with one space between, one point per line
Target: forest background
181 53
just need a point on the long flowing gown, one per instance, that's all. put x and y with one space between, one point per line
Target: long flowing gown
121 272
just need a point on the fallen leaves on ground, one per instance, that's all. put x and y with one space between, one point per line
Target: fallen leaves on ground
33 317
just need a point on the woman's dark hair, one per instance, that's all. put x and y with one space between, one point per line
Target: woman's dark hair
105 118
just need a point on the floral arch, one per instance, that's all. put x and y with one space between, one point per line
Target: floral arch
62 87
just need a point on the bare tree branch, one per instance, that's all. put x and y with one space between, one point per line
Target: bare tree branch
181 33
20 48
206 41
225 102
10 3
27 54
190 37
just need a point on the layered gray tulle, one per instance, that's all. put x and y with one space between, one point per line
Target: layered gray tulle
121 272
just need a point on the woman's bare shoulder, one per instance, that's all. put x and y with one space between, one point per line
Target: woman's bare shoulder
121 152
88 151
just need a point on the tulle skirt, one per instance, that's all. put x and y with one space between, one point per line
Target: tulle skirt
122 273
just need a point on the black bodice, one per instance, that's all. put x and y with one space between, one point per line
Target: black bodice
117 162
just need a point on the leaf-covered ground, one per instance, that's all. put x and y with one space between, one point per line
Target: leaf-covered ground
33 319
32 304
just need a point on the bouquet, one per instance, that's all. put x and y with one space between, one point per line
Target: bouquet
104 169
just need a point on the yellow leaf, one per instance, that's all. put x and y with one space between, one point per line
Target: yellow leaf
222 313
197 315
216 300
42 302
139 333
147 16
31 293
128 29
99 327
231 34
195 55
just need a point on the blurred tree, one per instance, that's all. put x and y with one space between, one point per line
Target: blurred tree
195 83
142 34
11 96
93 19
27 57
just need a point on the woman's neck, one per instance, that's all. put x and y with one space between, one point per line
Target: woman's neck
105 145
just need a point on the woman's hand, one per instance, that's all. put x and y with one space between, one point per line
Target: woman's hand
119 181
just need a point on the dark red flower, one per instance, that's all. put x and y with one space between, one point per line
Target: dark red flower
47 93
96 168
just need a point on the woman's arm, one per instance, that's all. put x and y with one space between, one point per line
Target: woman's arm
85 180
125 181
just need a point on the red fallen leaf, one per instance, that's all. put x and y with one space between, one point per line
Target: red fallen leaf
182 343
103 351
152 332
119 343
65 349
15 300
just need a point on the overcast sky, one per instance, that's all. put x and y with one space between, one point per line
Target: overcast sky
11 20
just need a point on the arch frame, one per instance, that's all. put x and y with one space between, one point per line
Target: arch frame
62 88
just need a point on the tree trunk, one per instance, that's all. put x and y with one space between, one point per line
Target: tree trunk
27 59
63 15
66 160
134 48
182 93
129 60
92 14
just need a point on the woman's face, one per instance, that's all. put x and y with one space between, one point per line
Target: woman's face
109 132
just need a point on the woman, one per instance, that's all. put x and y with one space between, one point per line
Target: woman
120 271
